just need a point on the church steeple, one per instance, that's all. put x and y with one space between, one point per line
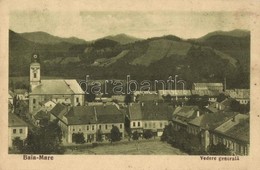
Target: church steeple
35 70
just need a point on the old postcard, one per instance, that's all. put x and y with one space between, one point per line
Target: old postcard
129 85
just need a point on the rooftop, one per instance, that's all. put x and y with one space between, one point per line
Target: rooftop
14 121
58 86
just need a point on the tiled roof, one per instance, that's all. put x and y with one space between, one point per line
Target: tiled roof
185 114
58 86
109 114
42 115
134 111
79 115
212 120
223 128
59 110
240 131
156 111
14 121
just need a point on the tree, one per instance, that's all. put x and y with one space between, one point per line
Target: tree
135 135
45 140
90 97
148 134
128 99
219 149
115 134
78 138
18 143
99 135
221 97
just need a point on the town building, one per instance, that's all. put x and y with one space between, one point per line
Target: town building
208 86
204 124
241 95
88 120
21 94
65 91
234 134
151 115
17 128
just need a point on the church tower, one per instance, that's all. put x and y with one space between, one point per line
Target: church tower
35 71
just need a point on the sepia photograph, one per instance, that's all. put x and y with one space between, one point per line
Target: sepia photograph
129 82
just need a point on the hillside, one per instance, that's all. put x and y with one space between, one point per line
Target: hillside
122 38
210 59
45 38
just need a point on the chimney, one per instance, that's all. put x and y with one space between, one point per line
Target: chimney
198 113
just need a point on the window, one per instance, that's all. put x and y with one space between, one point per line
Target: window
77 99
121 126
79 129
93 127
133 124
14 131
34 101
87 127
34 75
161 124
99 126
139 124
106 126
21 130
153 124
145 124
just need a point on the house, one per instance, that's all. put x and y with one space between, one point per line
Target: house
155 116
208 86
17 128
182 115
66 91
87 120
134 115
147 97
217 106
211 94
107 117
204 124
21 94
234 134
241 95
150 115
180 94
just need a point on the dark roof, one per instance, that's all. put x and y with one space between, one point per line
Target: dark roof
59 110
42 115
79 115
109 114
212 120
240 131
14 121
134 111
156 111
185 114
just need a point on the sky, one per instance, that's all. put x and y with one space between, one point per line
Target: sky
90 25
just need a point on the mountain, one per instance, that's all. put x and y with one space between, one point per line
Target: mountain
155 58
233 33
45 38
122 38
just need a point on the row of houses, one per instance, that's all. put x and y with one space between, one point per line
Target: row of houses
228 128
88 120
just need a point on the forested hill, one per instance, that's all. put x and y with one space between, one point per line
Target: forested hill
207 59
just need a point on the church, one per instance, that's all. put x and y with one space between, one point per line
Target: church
66 91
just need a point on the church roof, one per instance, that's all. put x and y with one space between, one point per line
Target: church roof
58 86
